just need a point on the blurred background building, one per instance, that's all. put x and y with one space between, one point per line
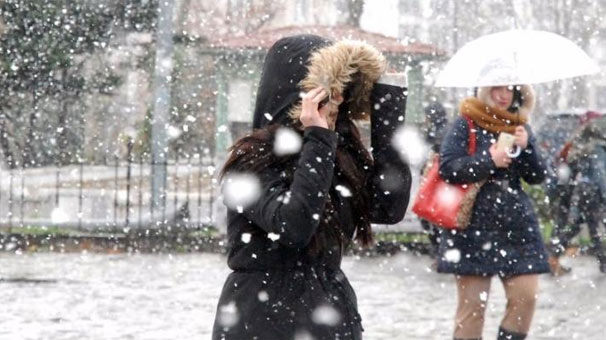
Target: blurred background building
80 88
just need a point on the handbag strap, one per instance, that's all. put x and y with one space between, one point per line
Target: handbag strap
472 136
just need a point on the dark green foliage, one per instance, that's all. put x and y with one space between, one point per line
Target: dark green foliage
51 57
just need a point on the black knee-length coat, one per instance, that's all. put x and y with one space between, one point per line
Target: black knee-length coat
503 237
279 289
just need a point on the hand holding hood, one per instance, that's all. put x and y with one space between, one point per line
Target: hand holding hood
300 63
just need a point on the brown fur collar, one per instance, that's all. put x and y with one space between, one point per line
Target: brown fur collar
334 67
466 209
491 118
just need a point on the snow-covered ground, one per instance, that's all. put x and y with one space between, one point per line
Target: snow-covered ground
93 296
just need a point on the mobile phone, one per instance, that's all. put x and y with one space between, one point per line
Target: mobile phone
505 141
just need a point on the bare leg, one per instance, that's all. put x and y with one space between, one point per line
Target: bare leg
521 292
472 295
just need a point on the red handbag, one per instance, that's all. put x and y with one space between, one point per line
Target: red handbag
447 205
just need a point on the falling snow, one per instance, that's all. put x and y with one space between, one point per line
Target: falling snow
110 128
343 190
326 315
228 315
452 255
410 144
241 190
245 238
287 142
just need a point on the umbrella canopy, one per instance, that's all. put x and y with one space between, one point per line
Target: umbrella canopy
515 57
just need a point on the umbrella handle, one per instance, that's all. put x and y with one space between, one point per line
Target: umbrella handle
515 153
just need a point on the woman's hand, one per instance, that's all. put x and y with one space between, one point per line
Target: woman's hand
521 137
310 115
499 156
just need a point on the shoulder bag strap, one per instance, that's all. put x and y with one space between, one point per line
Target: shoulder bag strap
472 136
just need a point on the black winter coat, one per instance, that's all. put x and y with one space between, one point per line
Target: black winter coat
503 237
279 289
276 287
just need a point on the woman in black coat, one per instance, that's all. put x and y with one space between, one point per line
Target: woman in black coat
285 248
503 236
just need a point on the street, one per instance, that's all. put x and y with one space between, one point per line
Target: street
93 296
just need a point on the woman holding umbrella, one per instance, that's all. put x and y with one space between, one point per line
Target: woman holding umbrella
285 248
503 237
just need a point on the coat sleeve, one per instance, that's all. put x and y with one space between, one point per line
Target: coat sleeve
293 210
456 165
530 165
389 179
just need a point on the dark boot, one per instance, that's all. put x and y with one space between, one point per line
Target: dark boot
508 335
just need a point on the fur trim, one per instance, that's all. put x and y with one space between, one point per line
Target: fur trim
467 203
334 67
527 94
529 100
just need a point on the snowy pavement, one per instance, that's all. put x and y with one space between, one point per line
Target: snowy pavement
93 296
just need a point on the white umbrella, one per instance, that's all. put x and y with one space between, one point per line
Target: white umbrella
515 57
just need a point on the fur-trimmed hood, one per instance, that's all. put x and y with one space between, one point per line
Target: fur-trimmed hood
528 99
300 63
347 65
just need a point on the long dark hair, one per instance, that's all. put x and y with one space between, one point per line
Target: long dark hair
254 153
